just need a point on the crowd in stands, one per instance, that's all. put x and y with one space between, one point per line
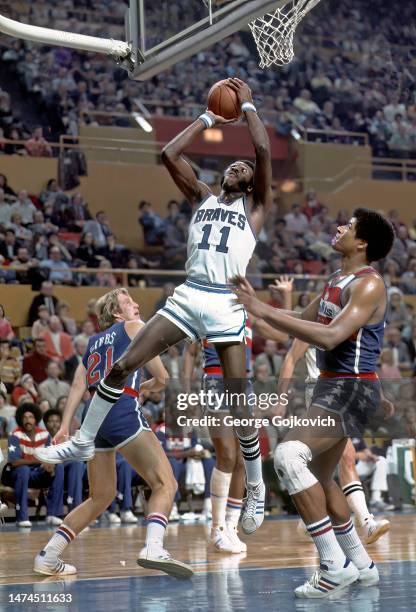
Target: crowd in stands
353 71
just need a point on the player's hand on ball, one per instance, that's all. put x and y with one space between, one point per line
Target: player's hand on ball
61 436
242 90
218 119
283 283
247 296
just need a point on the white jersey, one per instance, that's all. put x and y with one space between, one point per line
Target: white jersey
221 241
313 371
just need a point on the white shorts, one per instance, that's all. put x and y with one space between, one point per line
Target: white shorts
203 310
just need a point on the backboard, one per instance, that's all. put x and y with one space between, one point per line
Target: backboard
166 32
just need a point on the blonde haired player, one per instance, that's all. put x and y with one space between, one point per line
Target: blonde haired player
347 472
126 431
222 237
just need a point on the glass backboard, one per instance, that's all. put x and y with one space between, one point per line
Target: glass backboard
168 31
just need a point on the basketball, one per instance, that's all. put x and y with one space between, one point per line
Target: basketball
223 101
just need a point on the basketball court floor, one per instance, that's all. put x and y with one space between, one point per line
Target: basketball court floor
261 580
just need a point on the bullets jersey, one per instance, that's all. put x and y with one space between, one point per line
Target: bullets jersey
221 241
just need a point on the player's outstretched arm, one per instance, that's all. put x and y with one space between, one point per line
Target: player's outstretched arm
179 169
365 297
262 191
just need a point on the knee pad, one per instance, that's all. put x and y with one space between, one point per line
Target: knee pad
291 464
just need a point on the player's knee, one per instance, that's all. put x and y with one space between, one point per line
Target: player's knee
103 498
291 464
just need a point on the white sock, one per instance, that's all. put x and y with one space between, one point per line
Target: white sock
330 552
375 496
250 448
104 398
355 496
219 487
351 544
59 541
233 511
156 529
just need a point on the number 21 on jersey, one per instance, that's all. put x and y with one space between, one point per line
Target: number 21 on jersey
94 373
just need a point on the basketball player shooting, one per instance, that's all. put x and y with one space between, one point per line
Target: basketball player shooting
222 238
346 324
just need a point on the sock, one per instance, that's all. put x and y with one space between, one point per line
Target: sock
250 449
330 552
351 544
355 496
104 398
375 496
220 485
59 541
156 529
232 514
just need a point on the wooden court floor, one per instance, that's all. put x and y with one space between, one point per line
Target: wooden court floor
277 560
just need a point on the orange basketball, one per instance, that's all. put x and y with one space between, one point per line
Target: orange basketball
223 101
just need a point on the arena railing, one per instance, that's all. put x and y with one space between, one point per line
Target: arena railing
123 275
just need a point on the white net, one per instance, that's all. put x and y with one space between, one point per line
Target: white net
275 31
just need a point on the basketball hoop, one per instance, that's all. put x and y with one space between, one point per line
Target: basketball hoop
274 32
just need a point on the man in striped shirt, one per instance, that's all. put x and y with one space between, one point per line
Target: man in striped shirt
24 472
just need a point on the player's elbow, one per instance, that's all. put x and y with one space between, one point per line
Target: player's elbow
263 150
168 154
328 340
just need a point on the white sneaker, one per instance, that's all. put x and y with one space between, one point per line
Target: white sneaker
3 511
159 559
376 529
113 518
232 534
252 514
23 524
369 575
53 520
174 513
222 541
326 582
43 565
71 450
128 517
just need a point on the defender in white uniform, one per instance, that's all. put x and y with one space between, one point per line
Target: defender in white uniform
222 238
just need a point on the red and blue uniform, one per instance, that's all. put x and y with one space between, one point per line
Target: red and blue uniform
360 353
125 420
348 383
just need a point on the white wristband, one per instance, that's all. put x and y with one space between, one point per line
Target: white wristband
207 120
248 106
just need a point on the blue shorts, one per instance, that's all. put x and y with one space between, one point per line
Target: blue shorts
215 383
122 424
355 399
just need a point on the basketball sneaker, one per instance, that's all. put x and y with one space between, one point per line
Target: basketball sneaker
159 559
325 582
73 449
127 516
53 520
235 540
369 575
52 566
375 530
252 514
223 542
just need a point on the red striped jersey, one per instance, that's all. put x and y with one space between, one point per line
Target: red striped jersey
22 447
361 351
